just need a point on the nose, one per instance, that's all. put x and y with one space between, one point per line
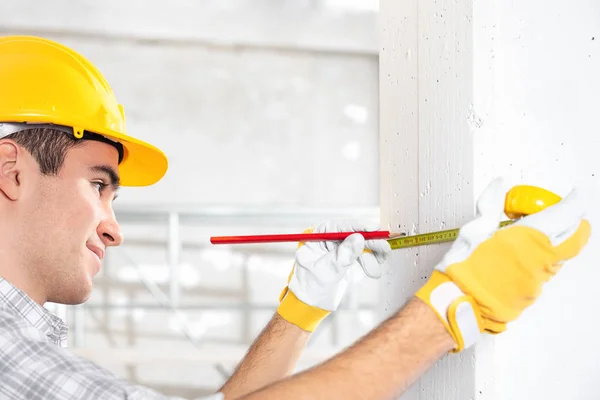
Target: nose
109 231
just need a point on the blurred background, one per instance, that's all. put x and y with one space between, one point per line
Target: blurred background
268 113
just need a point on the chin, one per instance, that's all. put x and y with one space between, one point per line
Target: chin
73 293
82 293
71 298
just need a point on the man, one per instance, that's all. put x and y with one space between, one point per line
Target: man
63 153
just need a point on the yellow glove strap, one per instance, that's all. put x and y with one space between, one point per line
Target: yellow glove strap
296 312
454 309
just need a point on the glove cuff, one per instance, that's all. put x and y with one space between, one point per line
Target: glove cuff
457 311
296 312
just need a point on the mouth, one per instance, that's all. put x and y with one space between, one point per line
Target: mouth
96 250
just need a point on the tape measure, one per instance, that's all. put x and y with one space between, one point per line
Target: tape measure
429 238
521 200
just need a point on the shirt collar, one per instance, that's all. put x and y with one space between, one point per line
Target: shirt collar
48 324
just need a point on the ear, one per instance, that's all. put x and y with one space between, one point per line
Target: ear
9 174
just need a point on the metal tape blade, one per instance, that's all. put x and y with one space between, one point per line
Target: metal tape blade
430 238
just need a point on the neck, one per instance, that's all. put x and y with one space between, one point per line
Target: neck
19 275
16 264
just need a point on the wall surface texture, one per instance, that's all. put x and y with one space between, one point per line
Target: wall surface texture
537 101
426 153
533 119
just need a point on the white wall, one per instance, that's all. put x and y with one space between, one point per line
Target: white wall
534 119
537 92
532 77
426 155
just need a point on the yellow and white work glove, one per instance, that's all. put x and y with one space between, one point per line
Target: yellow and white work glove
323 271
490 276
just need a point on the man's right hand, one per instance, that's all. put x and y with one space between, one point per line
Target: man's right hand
486 280
490 276
323 271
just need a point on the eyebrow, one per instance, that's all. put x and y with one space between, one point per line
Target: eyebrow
114 180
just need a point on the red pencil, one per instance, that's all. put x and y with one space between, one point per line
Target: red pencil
300 237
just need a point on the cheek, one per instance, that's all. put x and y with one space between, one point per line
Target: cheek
57 212
92 206
81 208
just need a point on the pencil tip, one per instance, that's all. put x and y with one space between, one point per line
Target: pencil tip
397 234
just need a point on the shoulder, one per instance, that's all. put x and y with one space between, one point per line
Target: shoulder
29 366
34 368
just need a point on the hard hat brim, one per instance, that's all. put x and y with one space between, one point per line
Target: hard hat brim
143 164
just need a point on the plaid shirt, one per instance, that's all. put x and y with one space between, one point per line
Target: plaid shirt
34 364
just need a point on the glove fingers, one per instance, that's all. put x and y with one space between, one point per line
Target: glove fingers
341 225
334 261
347 252
356 273
560 220
380 248
477 231
494 327
491 202
570 247
370 265
490 211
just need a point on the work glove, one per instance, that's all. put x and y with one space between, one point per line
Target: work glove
490 275
323 271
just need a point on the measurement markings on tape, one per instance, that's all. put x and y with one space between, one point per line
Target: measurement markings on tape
429 238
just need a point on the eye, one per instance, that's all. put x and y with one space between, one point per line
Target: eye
99 185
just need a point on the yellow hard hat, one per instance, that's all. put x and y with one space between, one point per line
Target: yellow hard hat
44 82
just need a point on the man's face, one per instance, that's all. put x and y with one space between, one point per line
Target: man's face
68 221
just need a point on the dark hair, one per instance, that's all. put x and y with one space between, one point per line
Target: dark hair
47 146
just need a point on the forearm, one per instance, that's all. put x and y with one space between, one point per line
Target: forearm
382 365
272 357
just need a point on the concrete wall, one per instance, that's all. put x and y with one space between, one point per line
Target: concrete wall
537 97
426 155
535 93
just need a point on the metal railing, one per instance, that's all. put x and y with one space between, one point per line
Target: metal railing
173 219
